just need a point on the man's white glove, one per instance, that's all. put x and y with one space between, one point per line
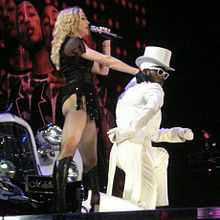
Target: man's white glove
117 135
184 133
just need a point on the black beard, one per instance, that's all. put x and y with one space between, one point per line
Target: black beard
154 79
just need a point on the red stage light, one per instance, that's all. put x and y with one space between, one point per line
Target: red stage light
102 7
138 44
136 6
143 22
143 10
206 135
95 17
137 19
125 53
130 5
124 3
95 4
118 51
87 2
110 22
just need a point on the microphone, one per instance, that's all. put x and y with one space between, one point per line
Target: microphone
105 34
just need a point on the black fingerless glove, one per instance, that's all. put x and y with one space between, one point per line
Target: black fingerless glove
141 77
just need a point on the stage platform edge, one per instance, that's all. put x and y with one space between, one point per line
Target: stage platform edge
158 214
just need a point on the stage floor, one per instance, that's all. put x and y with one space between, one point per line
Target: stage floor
158 214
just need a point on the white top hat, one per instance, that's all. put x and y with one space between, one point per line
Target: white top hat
155 56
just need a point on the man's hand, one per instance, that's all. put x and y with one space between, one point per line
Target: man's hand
117 135
184 133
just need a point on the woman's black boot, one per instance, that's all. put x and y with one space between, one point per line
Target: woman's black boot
60 175
92 176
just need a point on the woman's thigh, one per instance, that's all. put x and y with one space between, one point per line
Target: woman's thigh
75 120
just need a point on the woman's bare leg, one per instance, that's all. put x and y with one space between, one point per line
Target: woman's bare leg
88 146
74 125
88 150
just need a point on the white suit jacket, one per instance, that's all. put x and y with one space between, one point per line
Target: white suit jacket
139 110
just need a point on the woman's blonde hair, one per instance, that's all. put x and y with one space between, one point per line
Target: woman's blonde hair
67 24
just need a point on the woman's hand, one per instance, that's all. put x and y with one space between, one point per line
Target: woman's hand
141 77
106 44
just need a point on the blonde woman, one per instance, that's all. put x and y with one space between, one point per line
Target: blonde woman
76 61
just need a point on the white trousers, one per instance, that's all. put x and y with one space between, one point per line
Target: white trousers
145 173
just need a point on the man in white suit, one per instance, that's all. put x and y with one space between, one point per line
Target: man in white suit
138 118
